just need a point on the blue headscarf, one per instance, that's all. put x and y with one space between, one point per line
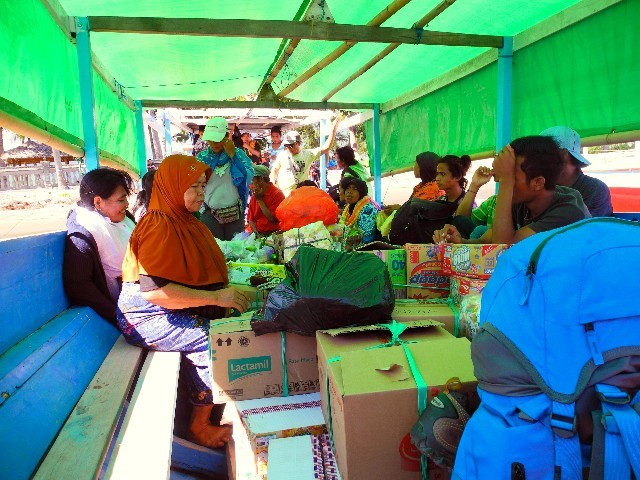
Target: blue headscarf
240 174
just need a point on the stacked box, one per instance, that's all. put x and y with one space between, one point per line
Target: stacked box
426 309
396 261
472 260
372 393
267 419
246 366
246 270
425 276
470 267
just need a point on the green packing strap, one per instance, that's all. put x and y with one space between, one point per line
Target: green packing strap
328 394
456 317
396 330
285 377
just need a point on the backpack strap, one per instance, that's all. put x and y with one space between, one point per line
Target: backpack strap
566 443
621 432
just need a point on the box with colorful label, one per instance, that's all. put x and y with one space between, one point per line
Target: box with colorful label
462 285
425 276
372 393
396 261
246 366
474 260
259 422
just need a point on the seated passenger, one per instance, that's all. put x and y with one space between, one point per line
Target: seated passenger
595 193
474 222
359 211
450 177
144 195
98 231
424 168
528 199
264 200
175 282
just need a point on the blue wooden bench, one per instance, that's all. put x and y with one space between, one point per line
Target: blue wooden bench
76 401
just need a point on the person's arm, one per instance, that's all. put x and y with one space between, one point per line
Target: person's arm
450 234
504 169
273 176
480 177
258 194
332 136
175 297
78 277
253 226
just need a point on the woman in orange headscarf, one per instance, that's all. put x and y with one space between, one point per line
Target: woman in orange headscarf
174 281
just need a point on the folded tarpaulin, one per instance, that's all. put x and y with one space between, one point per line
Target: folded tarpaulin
324 289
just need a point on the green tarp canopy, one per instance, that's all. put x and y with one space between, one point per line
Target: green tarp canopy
574 63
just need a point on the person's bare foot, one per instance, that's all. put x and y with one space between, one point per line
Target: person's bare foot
210 436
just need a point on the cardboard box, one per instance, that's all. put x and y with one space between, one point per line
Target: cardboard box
461 285
472 260
424 272
246 366
295 458
396 261
256 296
373 396
425 309
263 420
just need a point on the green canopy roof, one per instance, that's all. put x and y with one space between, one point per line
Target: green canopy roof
575 62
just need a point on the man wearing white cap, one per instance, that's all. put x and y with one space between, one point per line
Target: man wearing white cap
227 191
292 165
595 193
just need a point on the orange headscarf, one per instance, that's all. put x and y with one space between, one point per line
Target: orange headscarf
169 242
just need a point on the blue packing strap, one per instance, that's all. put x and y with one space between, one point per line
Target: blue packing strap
285 377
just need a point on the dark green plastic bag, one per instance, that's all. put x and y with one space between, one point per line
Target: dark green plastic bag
324 289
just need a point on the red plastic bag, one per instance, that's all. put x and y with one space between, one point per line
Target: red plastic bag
306 205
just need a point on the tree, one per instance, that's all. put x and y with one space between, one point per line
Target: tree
57 161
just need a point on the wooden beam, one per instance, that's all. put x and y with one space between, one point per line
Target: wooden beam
376 21
284 51
423 22
286 29
289 105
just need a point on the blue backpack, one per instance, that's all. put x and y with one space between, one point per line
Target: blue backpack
557 359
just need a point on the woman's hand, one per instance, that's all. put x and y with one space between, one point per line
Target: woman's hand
449 234
231 297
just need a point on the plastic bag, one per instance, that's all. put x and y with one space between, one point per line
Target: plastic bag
306 205
324 289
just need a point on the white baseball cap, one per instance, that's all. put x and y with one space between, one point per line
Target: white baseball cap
567 138
292 137
215 130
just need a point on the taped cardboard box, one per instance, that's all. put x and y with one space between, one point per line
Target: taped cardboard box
245 366
373 396
266 419
425 277
241 272
411 310
472 260
396 261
